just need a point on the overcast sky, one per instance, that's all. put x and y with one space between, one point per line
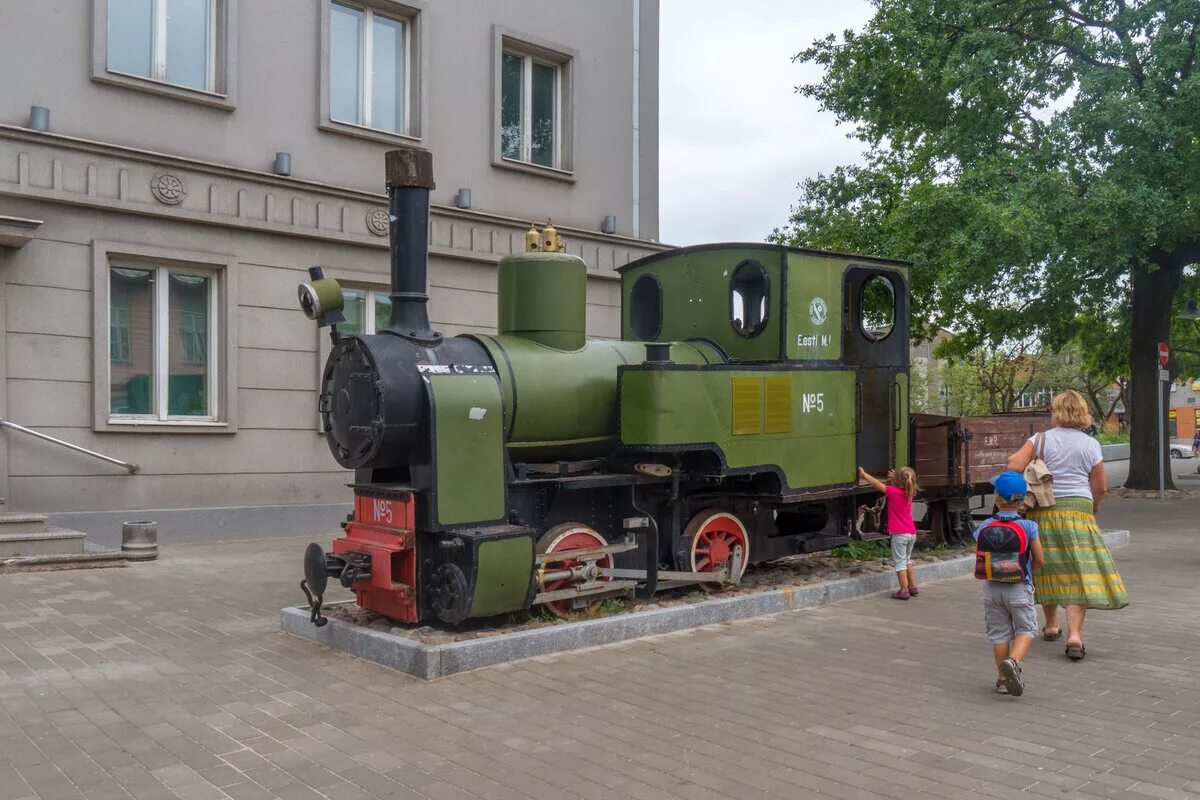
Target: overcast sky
735 138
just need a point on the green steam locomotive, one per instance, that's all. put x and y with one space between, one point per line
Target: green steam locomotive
540 466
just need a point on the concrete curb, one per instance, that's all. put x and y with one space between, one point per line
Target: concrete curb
1114 452
430 661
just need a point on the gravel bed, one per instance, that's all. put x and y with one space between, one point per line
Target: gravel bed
791 571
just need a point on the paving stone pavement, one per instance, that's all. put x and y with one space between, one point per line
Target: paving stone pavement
171 680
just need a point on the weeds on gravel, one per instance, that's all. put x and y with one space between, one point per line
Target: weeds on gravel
863 551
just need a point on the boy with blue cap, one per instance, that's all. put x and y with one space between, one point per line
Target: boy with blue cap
1007 550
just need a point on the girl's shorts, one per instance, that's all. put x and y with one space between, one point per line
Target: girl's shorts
902 550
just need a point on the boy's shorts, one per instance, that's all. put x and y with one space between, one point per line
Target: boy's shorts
902 550
1008 609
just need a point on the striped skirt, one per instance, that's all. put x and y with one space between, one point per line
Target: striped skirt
1079 570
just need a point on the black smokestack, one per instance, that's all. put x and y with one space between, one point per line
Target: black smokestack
409 180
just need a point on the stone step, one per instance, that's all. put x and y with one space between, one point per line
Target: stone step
102 558
50 542
13 522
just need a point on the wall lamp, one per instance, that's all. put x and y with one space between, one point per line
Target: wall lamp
39 118
609 225
283 164
463 198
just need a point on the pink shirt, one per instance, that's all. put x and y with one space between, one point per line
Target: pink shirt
899 511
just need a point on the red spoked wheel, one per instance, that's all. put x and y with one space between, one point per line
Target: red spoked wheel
563 539
713 535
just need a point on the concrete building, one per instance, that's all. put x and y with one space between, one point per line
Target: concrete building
188 160
1183 418
930 393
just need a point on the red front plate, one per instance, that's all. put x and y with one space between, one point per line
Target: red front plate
383 527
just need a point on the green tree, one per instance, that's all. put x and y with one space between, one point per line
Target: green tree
1038 159
1103 362
990 378
965 396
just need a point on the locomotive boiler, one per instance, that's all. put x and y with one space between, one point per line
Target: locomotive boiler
541 466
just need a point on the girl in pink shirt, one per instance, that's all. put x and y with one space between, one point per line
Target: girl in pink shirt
900 490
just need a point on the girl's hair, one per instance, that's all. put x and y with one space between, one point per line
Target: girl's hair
1068 410
906 479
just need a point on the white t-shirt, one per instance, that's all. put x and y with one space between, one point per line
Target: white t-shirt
1070 455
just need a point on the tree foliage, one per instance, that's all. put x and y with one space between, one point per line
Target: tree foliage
1039 162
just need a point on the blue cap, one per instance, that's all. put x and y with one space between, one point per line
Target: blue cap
1010 485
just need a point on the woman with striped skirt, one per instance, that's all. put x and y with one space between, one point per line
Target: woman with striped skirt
1079 572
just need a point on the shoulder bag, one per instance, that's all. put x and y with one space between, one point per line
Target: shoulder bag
1038 477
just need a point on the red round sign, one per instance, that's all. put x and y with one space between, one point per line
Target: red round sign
1164 353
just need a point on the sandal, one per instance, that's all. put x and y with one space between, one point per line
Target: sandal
1051 637
1076 652
913 591
1011 679
1000 687
900 595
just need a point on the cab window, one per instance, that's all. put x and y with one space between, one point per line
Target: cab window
748 294
877 308
645 308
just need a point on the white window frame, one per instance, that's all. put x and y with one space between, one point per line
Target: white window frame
162 344
220 90
158 48
366 52
370 295
527 62
565 63
411 14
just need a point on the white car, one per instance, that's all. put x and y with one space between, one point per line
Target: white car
1181 449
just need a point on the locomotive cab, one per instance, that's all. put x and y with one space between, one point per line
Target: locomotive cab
815 382
828 332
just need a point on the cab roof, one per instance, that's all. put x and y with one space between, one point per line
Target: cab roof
779 248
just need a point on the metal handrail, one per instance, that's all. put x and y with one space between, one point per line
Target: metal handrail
134 469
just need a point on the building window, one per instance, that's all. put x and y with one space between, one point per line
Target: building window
366 310
164 40
529 105
533 106
178 48
370 82
368 68
163 345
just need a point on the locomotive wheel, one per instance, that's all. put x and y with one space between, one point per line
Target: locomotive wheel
712 534
563 539
447 591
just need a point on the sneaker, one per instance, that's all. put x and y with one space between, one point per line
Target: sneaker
1011 670
914 591
902 594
